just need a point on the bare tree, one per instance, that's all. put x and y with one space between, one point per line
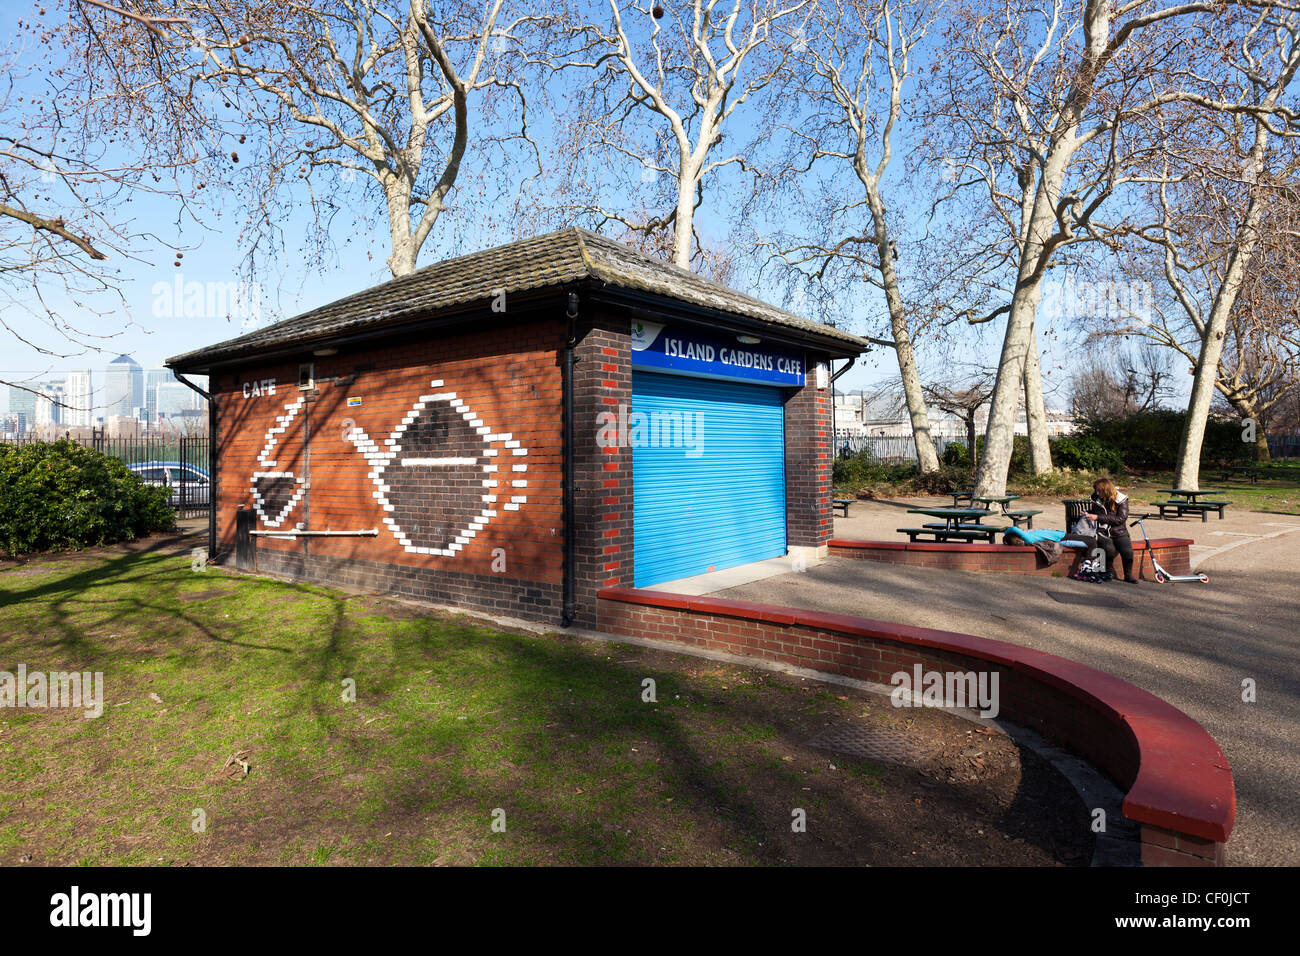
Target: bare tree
1037 107
396 100
963 397
72 160
1213 222
851 72
1259 361
1120 383
666 87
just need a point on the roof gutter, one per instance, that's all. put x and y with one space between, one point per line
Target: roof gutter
212 461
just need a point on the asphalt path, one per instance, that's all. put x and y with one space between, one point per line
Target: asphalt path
1191 644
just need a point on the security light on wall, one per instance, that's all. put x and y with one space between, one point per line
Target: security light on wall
748 339
324 352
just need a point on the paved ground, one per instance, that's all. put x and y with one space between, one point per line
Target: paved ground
1191 644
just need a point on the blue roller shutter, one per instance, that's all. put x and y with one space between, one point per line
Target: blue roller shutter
716 509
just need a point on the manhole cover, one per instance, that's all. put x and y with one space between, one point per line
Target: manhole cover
1096 600
872 743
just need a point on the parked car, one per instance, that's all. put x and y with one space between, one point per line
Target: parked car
171 474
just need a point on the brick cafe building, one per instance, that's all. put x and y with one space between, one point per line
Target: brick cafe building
515 429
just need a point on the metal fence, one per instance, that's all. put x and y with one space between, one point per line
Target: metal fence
901 449
1284 446
180 463
895 450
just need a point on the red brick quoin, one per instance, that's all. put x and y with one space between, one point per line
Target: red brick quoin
1177 782
1172 553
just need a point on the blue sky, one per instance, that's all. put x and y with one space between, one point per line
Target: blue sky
212 256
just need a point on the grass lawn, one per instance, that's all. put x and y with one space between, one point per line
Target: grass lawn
453 720
1277 491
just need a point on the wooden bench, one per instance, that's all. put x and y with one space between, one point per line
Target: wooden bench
942 534
1250 474
1203 508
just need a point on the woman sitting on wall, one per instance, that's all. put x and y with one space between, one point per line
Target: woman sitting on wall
1110 508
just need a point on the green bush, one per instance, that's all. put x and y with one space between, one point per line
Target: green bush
864 469
1149 441
1086 453
956 455
59 495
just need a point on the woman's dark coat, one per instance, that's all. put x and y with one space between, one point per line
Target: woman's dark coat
1111 522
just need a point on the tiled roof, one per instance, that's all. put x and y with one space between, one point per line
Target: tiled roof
554 259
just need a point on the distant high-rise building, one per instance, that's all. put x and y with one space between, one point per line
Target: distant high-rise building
49 404
172 399
79 399
123 388
22 401
152 379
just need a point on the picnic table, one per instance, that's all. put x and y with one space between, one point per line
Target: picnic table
841 501
959 496
960 523
1251 474
1190 500
1002 501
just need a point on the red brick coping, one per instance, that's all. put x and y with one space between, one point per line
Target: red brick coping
1172 554
1178 785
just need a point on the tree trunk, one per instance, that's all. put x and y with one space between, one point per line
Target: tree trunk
1019 339
1040 449
683 224
1261 443
999 436
405 249
1187 474
927 458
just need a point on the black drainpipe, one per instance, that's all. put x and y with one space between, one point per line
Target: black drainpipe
835 434
570 610
212 462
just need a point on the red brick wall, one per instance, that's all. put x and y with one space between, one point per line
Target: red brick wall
1172 769
1172 553
1163 847
808 459
602 506
506 381
509 382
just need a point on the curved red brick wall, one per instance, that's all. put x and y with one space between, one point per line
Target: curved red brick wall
1178 784
1172 553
